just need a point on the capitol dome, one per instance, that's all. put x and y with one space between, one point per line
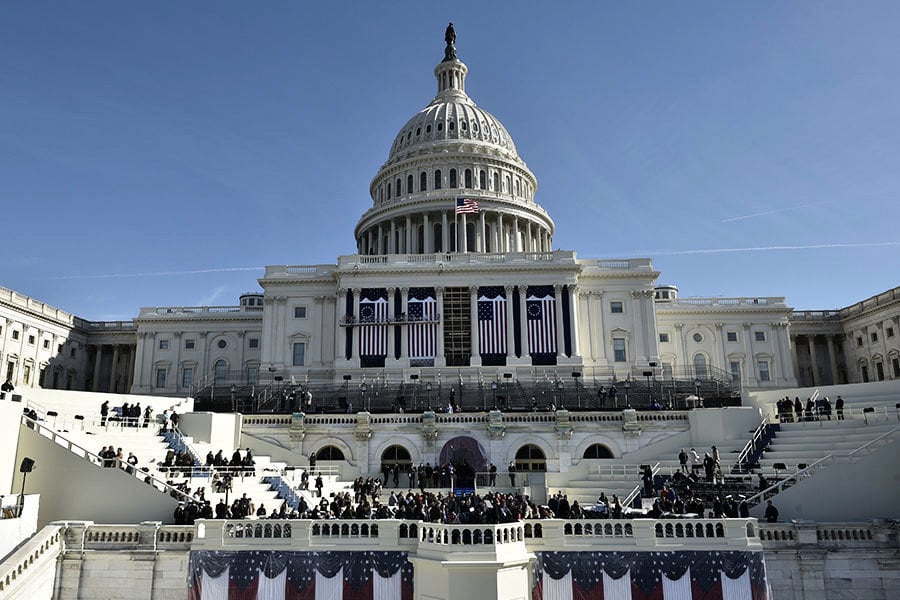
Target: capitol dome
453 182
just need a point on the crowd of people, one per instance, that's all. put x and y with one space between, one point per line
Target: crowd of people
820 409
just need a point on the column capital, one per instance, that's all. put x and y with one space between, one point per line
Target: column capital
679 326
746 325
319 299
281 299
719 325
404 290
508 289
357 291
269 300
557 287
391 290
473 289
438 289
176 334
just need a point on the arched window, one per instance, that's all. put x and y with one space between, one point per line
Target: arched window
453 181
437 179
330 453
482 179
597 451
398 187
506 187
423 181
437 237
221 368
700 369
468 176
409 184
530 458
517 187
396 455
389 191
496 182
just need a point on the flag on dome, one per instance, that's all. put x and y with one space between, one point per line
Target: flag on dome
466 206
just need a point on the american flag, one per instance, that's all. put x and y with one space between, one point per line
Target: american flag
421 329
373 338
492 321
541 314
466 206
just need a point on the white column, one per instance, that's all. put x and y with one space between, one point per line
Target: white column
529 242
95 384
354 348
141 338
811 342
392 243
129 377
426 238
501 241
319 356
510 326
523 320
573 320
832 359
516 245
404 328
409 235
380 244
439 359
795 358
475 357
462 244
112 369
560 331
445 233
482 229
340 337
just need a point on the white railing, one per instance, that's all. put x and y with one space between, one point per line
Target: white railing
36 554
790 480
872 445
624 470
750 446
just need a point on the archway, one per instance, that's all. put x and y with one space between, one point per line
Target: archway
396 455
530 458
330 453
467 456
597 451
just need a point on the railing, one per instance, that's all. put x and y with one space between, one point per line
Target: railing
439 534
742 301
450 259
872 445
790 480
35 554
188 310
624 470
750 446
351 320
122 465
634 494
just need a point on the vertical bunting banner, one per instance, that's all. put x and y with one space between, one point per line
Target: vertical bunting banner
373 320
492 320
275 575
711 575
421 317
540 308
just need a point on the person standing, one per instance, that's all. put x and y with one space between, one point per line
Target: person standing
492 475
512 473
839 407
682 460
771 514
319 485
104 413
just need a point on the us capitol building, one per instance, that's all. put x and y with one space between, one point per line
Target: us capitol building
455 279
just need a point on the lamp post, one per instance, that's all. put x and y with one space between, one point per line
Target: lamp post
559 394
627 387
428 393
697 383
494 390
575 376
648 375
233 401
363 388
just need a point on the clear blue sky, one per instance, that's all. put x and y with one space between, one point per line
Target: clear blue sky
143 142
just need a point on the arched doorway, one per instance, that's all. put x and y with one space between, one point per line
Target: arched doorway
467 456
330 453
396 455
531 458
597 451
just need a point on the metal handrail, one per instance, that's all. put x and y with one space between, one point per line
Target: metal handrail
865 446
750 446
779 487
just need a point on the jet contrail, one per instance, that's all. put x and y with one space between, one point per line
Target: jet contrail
159 273
771 212
771 248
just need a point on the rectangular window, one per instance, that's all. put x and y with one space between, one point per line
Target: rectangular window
667 371
15 334
759 336
735 367
190 344
663 338
874 337
10 370
253 343
72 354
26 374
31 340
59 349
865 374
616 307
187 377
896 364
299 353
46 344
163 344
252 375
731 336
890 332
619 349
299 312
859 342
879 371
160 378
763 370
